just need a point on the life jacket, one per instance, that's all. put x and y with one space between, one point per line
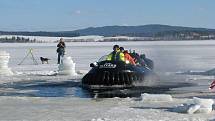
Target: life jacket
129 58
116 56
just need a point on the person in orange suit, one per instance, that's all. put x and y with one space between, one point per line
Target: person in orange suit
127 56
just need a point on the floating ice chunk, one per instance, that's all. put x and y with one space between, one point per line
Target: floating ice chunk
206 105
82 72
187 108
193 108
67 67
4 59
156 97
196 105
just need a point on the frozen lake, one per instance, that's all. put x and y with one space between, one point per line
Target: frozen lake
170 58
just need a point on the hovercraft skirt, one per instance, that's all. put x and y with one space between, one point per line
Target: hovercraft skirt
107 78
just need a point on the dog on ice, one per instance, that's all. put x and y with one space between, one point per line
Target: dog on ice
44 60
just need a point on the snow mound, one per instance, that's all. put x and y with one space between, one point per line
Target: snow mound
156 97
196 105
4 59
67 67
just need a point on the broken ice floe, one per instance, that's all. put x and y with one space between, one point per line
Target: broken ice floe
196 105
156 97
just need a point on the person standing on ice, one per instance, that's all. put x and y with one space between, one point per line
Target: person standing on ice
116 55
60 50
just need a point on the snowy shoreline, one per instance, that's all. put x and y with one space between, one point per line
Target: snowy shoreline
90 38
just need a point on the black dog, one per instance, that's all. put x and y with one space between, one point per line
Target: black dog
43 60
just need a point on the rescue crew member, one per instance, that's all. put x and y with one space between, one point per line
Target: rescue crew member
128 58
116 55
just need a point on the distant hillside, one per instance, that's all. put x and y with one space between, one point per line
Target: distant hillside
153 30
141 31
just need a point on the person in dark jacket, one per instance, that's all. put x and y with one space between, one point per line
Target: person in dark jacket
61 50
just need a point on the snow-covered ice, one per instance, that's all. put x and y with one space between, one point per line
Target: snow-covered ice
81 109
156 97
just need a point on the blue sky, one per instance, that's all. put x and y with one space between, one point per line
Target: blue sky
63 15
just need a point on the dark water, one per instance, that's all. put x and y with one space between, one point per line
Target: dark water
73 88
43 88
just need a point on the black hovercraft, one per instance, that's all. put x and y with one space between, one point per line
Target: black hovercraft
117 74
